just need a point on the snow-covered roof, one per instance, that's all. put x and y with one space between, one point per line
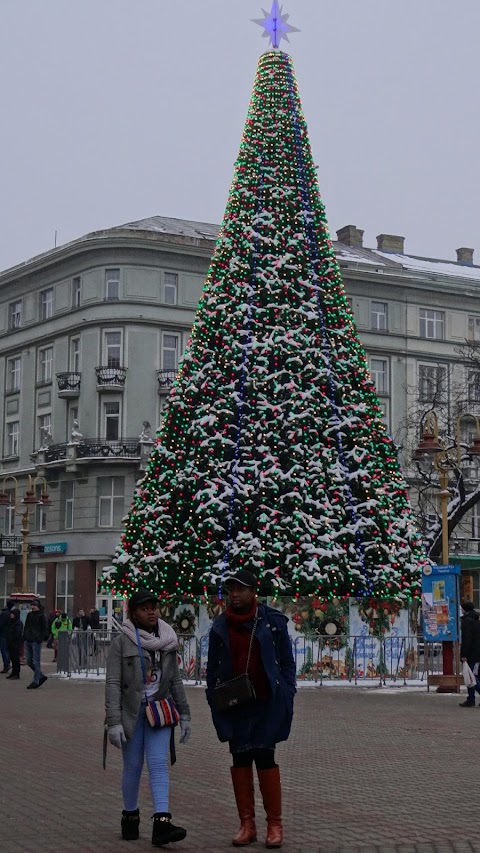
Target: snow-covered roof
169 225
433 267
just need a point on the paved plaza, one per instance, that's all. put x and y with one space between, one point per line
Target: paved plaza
364 769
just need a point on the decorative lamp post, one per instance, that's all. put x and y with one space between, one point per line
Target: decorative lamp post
24 506
432 453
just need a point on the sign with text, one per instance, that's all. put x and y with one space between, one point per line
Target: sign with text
55 548
440 603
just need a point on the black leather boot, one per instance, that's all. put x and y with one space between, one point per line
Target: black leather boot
130 825
164 831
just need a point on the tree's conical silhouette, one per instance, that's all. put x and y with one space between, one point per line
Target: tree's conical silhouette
273 455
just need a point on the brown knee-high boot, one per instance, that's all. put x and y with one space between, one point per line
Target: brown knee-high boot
271 790
242 778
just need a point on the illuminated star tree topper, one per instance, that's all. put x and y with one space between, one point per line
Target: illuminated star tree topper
275 25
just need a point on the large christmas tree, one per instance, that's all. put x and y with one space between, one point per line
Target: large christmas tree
273 455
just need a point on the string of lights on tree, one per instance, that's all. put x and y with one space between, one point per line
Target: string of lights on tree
273 455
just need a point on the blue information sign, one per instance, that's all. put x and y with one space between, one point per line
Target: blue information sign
440 603
55 548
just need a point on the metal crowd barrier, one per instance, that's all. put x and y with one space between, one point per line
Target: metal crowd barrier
363 659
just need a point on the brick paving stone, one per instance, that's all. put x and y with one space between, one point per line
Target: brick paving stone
363 772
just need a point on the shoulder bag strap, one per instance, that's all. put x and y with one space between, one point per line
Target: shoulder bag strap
142 662
251 641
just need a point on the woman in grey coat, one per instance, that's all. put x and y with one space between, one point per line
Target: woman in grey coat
129 686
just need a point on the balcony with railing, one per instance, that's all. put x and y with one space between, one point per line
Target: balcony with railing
111 378
10 544
166 379
68 383
80 452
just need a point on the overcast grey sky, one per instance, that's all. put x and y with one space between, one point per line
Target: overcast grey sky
114 110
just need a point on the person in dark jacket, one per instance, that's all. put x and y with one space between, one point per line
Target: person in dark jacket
4 623
36 631
254 729
81 621
94 617
470 648
14 639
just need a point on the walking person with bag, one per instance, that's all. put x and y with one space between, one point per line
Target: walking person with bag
470 648
250 690
35 632
145 699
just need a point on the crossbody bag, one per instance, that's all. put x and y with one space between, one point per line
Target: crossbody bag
236 691
160 712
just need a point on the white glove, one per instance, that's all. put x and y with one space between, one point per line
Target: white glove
116 736
186 730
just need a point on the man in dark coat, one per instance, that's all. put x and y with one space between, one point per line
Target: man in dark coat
470 648
4 623
36 631
14 639
253 729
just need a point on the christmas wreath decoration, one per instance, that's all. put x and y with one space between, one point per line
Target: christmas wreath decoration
184 622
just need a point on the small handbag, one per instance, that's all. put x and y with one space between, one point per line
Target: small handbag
160 712
237 691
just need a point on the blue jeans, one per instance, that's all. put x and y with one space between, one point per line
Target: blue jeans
154 745
32 655
4 652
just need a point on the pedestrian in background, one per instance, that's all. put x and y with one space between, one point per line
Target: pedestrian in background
62 623
14 639
51 620
94 617
142 667
81 624
470 648
248 631
35 632
4 623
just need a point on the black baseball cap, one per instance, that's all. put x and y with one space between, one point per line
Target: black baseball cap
140 597
244 577
468 606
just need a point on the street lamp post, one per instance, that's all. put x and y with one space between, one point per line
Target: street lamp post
24 506
433 452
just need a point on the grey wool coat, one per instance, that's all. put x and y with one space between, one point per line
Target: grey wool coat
125 688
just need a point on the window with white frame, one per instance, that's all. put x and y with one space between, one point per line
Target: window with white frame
170 288
75 355
15 314
111 420
476 522
68 501
113 349
170 347
45 364
474 386
72 416
7 583
110 492
46 304
13 438
474 328
112 284
432 324
9 517
14 373
64 587
40 511
44 428
432 383
379 371
76 291
37 579
379 316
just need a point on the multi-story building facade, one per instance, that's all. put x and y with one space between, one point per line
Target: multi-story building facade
91 334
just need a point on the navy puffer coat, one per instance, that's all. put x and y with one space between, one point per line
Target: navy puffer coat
259 725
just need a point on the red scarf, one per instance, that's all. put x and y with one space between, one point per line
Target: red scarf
239 633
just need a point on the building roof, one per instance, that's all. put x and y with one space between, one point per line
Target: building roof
185 230
175 227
